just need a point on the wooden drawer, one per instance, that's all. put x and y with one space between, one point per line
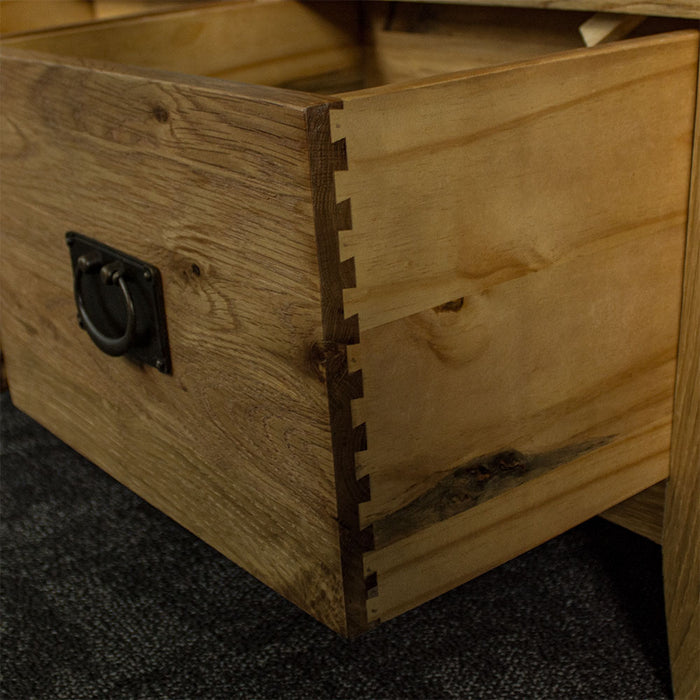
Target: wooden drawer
416 327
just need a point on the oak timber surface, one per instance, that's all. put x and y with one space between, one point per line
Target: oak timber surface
211 184
681 537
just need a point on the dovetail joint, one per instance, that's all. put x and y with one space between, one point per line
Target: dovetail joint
348 279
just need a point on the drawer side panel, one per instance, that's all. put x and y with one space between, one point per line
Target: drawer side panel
517 238
211 184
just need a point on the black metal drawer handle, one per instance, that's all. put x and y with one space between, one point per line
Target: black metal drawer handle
119 301
111 273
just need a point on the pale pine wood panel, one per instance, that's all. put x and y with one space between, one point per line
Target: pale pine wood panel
478 179
447 554
269 43
564 374
681 537
667 8
559 335
535 372
212 185
643 513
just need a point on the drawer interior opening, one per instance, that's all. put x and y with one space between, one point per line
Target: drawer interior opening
327 47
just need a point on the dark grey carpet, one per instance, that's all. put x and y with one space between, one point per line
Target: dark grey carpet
104 597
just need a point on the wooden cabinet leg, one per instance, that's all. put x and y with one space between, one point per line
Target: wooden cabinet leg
681 543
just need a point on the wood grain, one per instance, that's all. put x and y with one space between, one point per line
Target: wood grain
427 230
477 481
477 346
531 303
681 538
667 8
211 183
643 513
560 249
582 352
448 553
269 43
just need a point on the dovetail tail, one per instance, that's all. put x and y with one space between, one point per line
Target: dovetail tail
348 278
352 329
355 382
340 155
343 217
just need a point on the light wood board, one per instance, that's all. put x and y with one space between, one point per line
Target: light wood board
556 222
517 236
212 185
493 197
681 543
268 43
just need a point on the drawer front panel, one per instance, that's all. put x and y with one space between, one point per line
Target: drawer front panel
211 185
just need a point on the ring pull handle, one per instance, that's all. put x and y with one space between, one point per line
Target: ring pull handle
110 274
119 302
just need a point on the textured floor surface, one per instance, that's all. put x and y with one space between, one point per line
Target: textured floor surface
105 597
